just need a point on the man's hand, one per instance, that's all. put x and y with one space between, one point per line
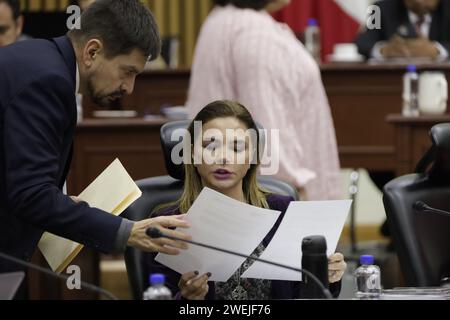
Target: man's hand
336 267
140 240
75 199
194 287
422 47
396 47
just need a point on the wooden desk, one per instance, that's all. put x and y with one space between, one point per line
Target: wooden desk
412 139
99 141
360 96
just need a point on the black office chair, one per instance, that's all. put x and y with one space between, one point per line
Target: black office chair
421 237
164 189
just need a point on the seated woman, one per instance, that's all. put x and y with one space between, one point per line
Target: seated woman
235 179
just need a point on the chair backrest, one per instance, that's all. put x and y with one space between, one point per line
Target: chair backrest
155 191
165 189
422 238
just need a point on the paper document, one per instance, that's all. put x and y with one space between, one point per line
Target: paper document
302 219
223 222
112 191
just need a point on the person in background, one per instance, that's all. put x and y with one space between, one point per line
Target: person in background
235 179
243 54
409 29
11 22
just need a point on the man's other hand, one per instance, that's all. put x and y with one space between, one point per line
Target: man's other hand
139 239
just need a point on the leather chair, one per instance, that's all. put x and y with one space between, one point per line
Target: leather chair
422 237
164 189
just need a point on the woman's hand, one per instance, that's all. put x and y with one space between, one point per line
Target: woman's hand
194 287
336 267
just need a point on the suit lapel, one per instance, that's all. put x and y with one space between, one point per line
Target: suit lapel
435 28
66 49
405 28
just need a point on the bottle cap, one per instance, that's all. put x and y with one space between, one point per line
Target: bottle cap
366 259
312 22
411 68
157 278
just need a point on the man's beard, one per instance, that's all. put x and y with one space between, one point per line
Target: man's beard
112 101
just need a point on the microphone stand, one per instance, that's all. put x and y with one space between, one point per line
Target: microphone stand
156 233
353 190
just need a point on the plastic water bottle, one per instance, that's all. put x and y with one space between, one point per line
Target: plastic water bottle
157 289
368 279
312 39
411 92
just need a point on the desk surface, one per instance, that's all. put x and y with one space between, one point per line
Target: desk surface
120 123
422 120
361 66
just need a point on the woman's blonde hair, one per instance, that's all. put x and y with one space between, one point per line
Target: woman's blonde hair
253 193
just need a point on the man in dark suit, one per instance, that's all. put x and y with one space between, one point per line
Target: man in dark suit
409 28
38 82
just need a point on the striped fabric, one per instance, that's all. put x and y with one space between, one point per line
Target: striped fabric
245 55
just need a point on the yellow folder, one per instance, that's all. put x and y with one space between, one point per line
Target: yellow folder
112 191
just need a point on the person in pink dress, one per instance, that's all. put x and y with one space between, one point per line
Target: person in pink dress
243 54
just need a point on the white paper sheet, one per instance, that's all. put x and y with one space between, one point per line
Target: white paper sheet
302 219
223 222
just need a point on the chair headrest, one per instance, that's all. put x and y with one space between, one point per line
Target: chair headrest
438 154
440 135
169 141
175 170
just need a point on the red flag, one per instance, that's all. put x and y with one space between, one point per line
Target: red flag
337 19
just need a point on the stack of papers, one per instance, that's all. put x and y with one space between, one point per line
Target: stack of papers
223 222
302 219
416 293
220 221
112 191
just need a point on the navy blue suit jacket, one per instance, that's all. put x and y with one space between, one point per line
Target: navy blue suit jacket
279 289
395 20
37 126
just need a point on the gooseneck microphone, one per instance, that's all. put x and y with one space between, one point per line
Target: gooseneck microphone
154 233
422 207
315 260
85 285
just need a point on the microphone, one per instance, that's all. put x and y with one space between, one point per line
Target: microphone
314 259
85 285
422 207
154 233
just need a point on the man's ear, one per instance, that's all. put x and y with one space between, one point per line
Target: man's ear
92 49
19 26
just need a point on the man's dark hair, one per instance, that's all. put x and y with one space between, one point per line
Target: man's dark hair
15 7
252 4
122 25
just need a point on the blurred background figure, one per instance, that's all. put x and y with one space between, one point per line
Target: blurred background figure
11 22
243 54
409 28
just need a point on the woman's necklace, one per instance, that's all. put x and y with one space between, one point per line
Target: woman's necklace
239 293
